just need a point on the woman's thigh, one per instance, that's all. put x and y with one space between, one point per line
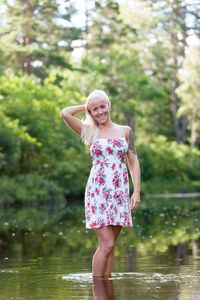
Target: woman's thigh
105 236
116 230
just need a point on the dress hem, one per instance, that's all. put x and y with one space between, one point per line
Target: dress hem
105 225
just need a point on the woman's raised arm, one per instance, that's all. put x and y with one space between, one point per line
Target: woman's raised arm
68 117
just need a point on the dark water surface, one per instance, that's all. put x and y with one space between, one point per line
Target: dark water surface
47 255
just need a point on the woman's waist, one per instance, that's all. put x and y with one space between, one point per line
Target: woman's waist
108 162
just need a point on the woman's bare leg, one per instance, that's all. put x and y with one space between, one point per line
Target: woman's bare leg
116 231
106 239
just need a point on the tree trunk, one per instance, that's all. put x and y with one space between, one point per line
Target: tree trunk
175 84
86 26
27 66
184 31
193 136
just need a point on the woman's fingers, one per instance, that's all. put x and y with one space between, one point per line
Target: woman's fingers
135 200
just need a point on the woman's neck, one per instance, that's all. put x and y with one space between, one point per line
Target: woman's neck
108 125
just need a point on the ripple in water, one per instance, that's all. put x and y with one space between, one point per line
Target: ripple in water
143 277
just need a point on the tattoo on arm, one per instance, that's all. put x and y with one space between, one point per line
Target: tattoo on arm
131 144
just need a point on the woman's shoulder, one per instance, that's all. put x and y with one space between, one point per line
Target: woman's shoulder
126 129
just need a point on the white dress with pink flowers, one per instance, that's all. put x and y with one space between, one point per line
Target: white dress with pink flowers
107 189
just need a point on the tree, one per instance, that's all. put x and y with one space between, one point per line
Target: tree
38 35
178 20
189 92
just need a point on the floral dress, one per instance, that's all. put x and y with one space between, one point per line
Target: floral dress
107 189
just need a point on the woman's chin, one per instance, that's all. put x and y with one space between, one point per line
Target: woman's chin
102 122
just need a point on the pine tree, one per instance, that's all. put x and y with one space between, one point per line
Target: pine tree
37 34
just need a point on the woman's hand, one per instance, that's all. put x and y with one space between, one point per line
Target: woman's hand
134 200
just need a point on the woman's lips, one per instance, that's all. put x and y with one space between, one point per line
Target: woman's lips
101 116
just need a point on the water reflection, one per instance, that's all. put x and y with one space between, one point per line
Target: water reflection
46 254
103 289
170 283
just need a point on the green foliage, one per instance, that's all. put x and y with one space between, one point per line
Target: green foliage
170 165
189 91
30 189
37 150
27 29
125 52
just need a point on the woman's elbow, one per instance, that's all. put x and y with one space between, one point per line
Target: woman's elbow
63 113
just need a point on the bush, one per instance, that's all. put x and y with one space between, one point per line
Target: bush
32 189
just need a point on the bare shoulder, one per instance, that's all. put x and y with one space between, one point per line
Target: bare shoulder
127 130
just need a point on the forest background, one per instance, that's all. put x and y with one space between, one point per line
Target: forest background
145 54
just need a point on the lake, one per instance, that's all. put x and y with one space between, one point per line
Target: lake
46 254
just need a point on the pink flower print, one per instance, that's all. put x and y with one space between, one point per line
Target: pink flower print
93 224
116 180
102 208
119 202
121 155
117 195
111 207
101 180
101 222
109 150
113 166
98 152
92 194
93 209
126 218
94 146
125 175
112 220
98 162
129 223
106 195
104 163
87 215
115 210
97 191
116 143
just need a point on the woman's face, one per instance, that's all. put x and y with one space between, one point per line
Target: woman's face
99 110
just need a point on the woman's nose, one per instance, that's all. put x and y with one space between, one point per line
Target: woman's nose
100 110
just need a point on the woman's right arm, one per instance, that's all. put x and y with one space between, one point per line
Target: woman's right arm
68 117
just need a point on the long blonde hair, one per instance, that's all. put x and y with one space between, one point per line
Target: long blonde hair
90 130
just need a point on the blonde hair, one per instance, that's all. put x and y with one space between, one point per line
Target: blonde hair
90 130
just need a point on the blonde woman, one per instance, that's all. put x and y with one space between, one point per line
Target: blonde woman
107 202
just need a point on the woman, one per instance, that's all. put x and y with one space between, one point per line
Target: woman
107 203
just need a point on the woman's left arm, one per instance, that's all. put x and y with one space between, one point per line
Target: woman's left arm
134 168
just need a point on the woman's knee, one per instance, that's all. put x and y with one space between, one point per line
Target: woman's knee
108 247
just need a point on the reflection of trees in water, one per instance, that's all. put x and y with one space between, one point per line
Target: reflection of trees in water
195 248
182 253
159 225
